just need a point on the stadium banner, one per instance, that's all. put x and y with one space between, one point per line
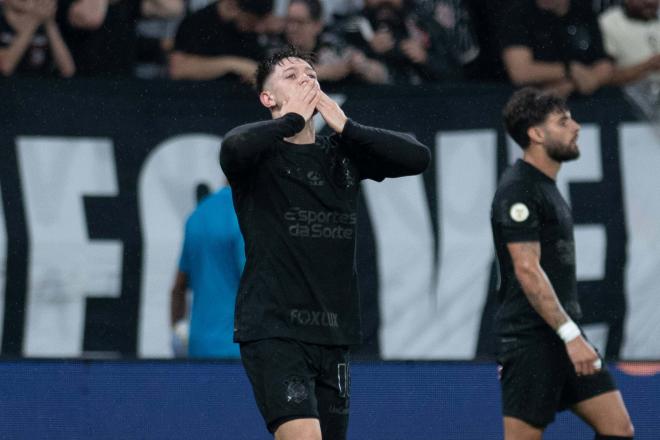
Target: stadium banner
70 400
98 177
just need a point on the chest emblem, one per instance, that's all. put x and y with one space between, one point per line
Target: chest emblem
315 178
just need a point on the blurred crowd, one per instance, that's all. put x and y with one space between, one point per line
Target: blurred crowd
569 46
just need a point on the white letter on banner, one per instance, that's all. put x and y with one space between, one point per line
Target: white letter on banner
420 320
590 240
167 195
466 179
404 243
65 267
640 162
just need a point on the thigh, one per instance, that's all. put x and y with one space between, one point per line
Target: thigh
532 378
333 392
516 429
282 380
299 429
606 414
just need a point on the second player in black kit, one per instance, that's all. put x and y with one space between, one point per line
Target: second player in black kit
296 196
547 365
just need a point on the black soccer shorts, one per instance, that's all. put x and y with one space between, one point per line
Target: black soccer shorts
538 380
292 380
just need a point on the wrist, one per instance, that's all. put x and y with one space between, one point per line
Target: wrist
568 331
341 125
29 28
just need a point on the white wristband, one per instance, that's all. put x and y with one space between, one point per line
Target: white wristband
568 331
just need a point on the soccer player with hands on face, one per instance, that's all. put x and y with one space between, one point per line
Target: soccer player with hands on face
296 195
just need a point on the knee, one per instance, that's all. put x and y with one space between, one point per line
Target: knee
623 430
629 429
626 428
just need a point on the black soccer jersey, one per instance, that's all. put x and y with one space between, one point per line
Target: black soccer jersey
528 207
297 209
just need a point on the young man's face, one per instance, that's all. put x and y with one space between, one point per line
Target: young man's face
560 136
287 76
301 29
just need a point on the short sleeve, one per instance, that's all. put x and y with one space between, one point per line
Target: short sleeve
517 213
608 35
187 38
513 27
597 51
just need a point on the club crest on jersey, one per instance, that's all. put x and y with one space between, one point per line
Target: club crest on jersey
519 212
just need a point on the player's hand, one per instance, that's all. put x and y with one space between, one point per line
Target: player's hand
382 41
303 100
333 114
414 50
584 358
180 338
653 63
585 81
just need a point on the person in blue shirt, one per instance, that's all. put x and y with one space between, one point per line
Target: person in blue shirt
211 263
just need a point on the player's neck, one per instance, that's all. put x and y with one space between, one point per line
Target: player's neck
305 136
542 162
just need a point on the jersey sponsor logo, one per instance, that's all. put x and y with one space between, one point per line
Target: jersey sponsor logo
305 223
519 212
311 318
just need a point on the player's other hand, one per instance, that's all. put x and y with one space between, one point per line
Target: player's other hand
333 114
303 100
583 356
180 338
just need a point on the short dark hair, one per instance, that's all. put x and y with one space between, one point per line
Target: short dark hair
528 107
267 65
259 8
314 7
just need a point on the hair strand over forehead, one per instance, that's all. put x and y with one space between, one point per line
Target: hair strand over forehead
268 64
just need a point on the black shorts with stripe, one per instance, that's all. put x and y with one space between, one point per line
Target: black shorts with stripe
293 380
538 380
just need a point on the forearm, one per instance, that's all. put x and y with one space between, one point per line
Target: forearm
162 8
523 69
563 88
541 296
374 72
12 55
398 154
331 71
243 146
178 306
61 54
536 73
178 298
626 75
602 72
195 67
